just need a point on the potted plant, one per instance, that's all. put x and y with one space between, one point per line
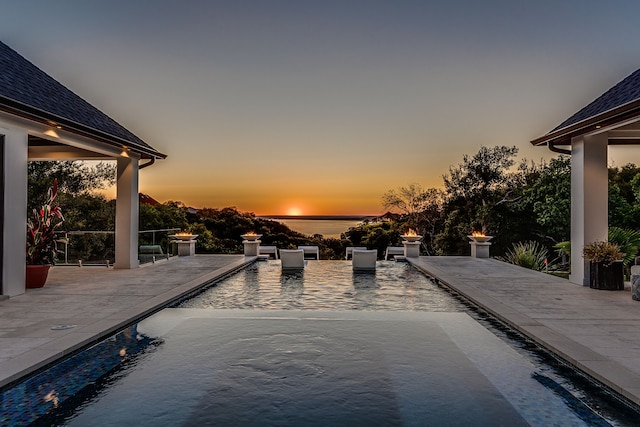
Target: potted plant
41 239
605 265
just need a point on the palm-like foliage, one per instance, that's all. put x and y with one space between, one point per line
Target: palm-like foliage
628 240
41 230
529 254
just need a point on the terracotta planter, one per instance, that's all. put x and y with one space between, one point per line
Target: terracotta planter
37 275
608 278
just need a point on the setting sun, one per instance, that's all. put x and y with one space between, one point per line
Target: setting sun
294 211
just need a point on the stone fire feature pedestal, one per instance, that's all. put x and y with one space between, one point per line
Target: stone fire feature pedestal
411 249
251 244
186 243
186 248
411 242
480 246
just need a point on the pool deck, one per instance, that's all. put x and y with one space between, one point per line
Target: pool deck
95 301
597 331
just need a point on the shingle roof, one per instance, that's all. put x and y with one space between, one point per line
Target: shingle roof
626 91
620 103
27 90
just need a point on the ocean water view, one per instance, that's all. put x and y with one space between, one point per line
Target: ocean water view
328 226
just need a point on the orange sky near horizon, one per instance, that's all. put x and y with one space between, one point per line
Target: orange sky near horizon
323 107
332 191
304 199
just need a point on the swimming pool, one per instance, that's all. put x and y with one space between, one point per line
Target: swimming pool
327 285
322 347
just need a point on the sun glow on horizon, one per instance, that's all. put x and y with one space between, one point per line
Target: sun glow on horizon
294 211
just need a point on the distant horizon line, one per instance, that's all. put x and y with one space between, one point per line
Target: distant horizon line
319 217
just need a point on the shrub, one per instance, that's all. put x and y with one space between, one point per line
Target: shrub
628 241
529 254
41 230
604 252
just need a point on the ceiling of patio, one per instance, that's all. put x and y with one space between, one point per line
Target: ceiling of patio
625 135
45 149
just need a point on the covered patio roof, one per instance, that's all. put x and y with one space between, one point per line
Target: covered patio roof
617 111
612 119
40 119
28 92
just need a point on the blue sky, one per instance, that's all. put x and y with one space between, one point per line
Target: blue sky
326 105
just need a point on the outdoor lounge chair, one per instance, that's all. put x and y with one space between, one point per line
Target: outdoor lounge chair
268 250
292 259
364 259
311 250
393 250
350 249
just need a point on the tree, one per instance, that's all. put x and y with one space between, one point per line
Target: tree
165 215
83 210
483 175
89 212
549 195
624 207
409 200
74 178
421 209
480 194
375 236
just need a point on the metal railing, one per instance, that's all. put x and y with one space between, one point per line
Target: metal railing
97 248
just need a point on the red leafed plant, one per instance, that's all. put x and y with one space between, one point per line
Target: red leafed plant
41 230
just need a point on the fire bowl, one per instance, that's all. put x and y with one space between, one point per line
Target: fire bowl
183 237
251 237
480 239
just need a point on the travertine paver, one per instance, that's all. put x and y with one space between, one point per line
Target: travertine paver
598 331
81 305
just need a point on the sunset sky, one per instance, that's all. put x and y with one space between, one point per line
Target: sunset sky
323 106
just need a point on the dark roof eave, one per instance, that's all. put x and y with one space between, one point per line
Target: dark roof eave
22 110
563 136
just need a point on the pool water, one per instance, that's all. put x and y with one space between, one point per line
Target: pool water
321 347
327 285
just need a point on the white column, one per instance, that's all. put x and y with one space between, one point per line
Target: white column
14 215
127 214
589 200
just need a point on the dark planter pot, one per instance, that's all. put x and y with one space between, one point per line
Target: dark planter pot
608 278
36 276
